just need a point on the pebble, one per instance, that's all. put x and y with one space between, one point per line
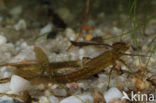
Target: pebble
16 11
81 53
112 93
54 86
59 92
3 40
74 99
46 29
43 99
70 34
18 84
21 25
4 87
116 30
10 100
53 99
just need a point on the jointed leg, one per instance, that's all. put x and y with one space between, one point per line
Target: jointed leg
110 72
11 95
134 55
129 72
5 80
120 60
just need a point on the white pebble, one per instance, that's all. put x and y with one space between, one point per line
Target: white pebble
81 53
73 99
70 34
117 30
101 85
4 87
98 32
41 86
81 85
59 92
43 99
3 40
46 29
103 76
54 86
7 74
112 93
24 45
18 84
20 25
53 99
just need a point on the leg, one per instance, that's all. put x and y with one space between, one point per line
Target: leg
26 98
5 80
120 60
134 55
11 95
110 76
129 72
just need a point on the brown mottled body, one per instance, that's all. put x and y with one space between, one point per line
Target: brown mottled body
32 70
95 65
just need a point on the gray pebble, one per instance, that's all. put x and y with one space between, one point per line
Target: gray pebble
11 101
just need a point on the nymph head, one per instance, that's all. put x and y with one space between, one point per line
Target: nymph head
120 46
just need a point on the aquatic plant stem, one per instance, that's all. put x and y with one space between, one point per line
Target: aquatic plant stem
83 23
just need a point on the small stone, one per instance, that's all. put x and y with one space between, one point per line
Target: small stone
81 85
112 93
53 99
41 86
4 87
54 86
46 29
18 84
101 85
7 74
78 99
24 45
59 92
21 25
16 11
10 100
70 34
73 86
117 30
3 40
81 53
43 99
